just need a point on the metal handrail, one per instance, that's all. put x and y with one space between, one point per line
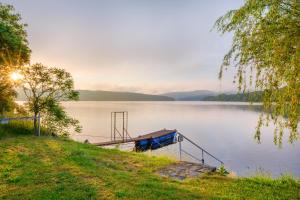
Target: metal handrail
191 155
196 145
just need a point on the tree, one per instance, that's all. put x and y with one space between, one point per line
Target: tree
266 53
45 88
14 52
7 95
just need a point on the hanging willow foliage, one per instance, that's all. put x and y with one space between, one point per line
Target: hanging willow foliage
266 54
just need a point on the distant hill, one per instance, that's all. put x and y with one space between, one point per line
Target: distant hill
89 95
196 95
99 95
242 97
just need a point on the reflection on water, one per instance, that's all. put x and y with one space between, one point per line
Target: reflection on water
224 129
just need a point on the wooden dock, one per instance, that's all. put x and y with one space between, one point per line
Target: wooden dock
155 140
162 138
141 137
113 142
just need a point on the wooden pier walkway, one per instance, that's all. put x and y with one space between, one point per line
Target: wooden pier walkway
139 138
114 142
163 138
156 140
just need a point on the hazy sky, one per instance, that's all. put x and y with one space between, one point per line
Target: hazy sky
150 46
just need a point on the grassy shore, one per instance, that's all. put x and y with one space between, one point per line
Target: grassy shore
55 168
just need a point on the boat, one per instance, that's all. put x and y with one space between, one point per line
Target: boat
155 140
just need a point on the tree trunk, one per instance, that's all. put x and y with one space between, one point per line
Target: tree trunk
35 124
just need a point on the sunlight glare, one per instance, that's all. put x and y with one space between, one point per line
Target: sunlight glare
15 76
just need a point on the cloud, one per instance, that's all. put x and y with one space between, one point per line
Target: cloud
135 45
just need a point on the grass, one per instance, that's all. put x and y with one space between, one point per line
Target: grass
56 168
16 129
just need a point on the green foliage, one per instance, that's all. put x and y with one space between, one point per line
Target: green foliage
45 88
241 97
17 128
14 51
14 129
286 180
222 171
56 120
7 96
266 54
56 168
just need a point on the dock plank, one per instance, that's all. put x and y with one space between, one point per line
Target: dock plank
113 142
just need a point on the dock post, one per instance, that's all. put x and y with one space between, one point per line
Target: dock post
126 125
180 138
123 129
111 126
115 123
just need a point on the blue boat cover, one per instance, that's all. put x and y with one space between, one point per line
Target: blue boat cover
156 142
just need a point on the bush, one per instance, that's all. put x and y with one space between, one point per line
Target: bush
222 171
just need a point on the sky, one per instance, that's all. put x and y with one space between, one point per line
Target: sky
149 46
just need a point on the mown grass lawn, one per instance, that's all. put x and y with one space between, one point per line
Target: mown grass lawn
55 168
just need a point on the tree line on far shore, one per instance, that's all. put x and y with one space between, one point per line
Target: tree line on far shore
240 97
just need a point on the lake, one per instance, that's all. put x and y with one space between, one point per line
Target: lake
224 129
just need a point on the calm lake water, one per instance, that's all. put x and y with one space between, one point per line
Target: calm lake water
224 129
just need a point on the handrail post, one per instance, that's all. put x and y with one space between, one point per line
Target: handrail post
202 156
179 139
180 150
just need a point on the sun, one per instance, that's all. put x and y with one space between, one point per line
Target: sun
15 76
